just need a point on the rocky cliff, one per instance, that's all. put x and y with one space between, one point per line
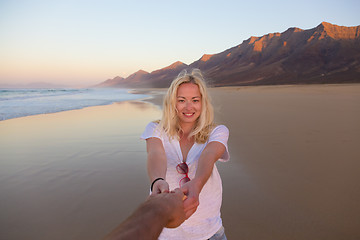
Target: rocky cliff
325 54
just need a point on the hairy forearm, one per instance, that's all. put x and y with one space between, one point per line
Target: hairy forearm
148 220
145 223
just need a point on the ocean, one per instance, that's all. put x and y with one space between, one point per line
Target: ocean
16 103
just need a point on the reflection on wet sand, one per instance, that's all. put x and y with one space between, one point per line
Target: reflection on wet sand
74 174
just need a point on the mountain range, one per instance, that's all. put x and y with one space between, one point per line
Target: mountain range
325 54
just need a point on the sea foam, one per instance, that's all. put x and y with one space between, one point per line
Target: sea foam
25 102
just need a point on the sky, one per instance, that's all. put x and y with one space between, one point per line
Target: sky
85 42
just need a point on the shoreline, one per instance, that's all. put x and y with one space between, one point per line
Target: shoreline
156 94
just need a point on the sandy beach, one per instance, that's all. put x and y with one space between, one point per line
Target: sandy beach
293 173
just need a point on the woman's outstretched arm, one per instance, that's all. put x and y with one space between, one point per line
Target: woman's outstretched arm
156 164
212 152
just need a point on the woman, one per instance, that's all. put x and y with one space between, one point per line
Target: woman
182 150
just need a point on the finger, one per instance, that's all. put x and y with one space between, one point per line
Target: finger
185 190
155 192
190 203
180 193
189 213
177 191
164 190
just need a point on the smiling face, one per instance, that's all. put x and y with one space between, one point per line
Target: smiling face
188 103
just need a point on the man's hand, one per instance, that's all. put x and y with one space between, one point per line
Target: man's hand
177 215
171 205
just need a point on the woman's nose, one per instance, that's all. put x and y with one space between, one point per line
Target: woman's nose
188 105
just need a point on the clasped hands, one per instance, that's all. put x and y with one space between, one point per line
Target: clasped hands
189 192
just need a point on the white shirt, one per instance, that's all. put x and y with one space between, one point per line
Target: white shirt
206 221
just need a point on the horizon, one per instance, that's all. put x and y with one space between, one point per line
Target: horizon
79 44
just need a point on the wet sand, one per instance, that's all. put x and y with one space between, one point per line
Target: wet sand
293 172
74 174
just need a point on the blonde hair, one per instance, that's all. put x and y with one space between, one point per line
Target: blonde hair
170 122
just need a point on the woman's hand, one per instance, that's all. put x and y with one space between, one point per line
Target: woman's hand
160 186
191 190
